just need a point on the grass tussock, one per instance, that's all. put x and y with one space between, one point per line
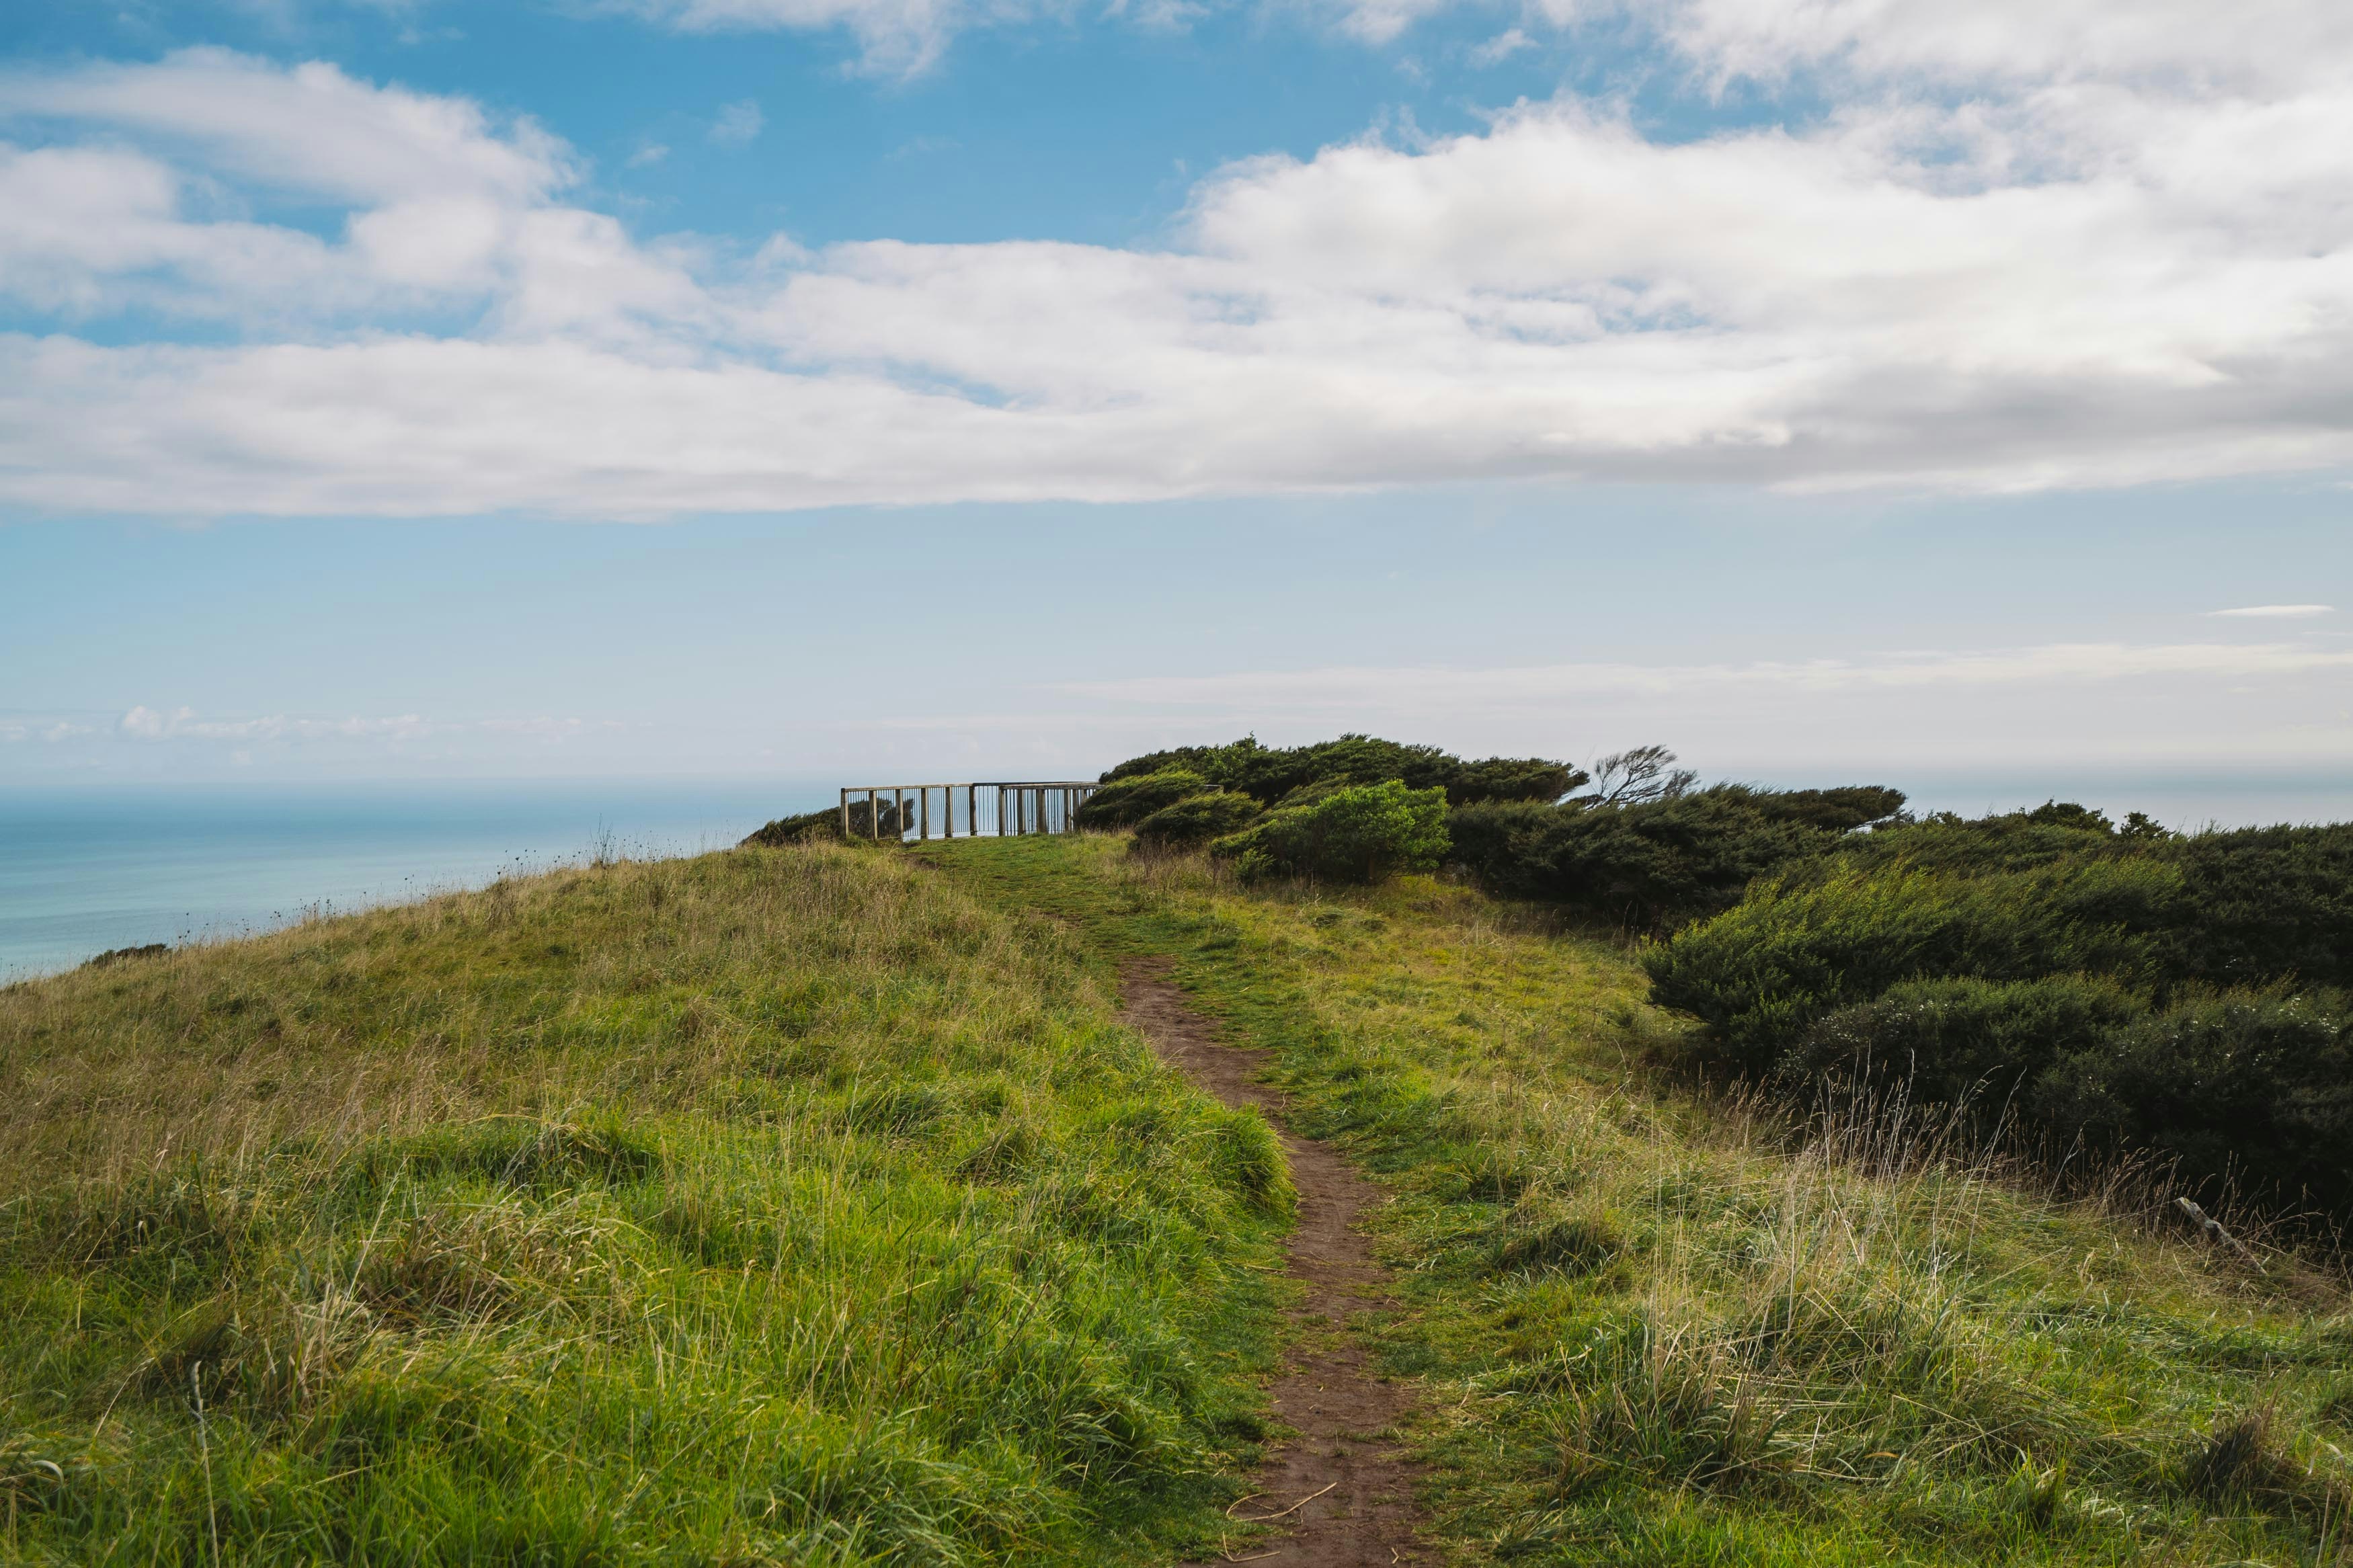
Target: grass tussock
785 1206
1662 1326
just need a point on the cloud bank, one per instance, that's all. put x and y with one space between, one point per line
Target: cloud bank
2064 245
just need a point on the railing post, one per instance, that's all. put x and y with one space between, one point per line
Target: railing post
924 814
845 812
874 814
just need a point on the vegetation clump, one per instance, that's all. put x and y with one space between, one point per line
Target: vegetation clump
1649 864
1633 842
1125 801
1349 834
1268 774
2123 986
1195 819
2089 982
809 826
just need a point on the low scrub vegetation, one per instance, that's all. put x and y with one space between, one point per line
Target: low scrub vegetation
1633 842
1658 1326
2102 989
1358 833
2124 990
775 1206
1269 775
1197 819
1648 864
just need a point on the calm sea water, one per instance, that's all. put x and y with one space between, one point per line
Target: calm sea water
96 869
93 868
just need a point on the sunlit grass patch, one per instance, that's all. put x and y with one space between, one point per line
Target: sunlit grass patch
782 1206
1665 1326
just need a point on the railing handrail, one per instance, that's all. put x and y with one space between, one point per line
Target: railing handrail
984 783
1030 802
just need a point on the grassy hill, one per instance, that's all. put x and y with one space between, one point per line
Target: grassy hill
779 1205
1665 1326
810 1205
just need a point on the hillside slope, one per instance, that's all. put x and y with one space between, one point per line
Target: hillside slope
1657 1328
778 1205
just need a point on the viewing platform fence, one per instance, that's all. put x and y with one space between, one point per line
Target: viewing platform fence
991 809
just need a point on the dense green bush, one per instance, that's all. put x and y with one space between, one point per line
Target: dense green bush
1955 1039
2261 902
2252 903
2253 1090
2124 986
2255 1087
1358 833
1268 774
1124 802
1651 864
1197 819
1759 974
825 823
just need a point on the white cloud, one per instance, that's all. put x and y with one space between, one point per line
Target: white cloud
895 36
737 123
2061 277
1501 47
310 129
145 723
2277 611
2251 706
1425 689
2254 45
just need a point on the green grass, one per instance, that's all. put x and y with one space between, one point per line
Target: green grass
781 1206
1657 1326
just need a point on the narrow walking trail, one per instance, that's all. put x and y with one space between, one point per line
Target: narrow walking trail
1341 1492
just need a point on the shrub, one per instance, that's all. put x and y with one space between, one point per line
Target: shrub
1355 835
1952 1039
2264 903
1512 779
1124 802
1759 975
809 824
2014 841
1197 819
1654 864
1220 765
2256 1087
1269 774
2135 989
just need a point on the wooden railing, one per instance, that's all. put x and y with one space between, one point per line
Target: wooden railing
991 810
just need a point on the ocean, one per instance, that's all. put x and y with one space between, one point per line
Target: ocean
106 866
92 868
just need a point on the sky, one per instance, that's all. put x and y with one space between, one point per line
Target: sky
1953 396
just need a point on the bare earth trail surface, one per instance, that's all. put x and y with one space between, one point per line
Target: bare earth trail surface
1341 1491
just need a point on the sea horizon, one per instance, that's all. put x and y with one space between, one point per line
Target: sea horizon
88 868
91 867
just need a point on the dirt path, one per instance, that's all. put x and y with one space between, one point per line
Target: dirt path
1344 1495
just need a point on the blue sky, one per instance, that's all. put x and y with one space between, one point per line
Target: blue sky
748 387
